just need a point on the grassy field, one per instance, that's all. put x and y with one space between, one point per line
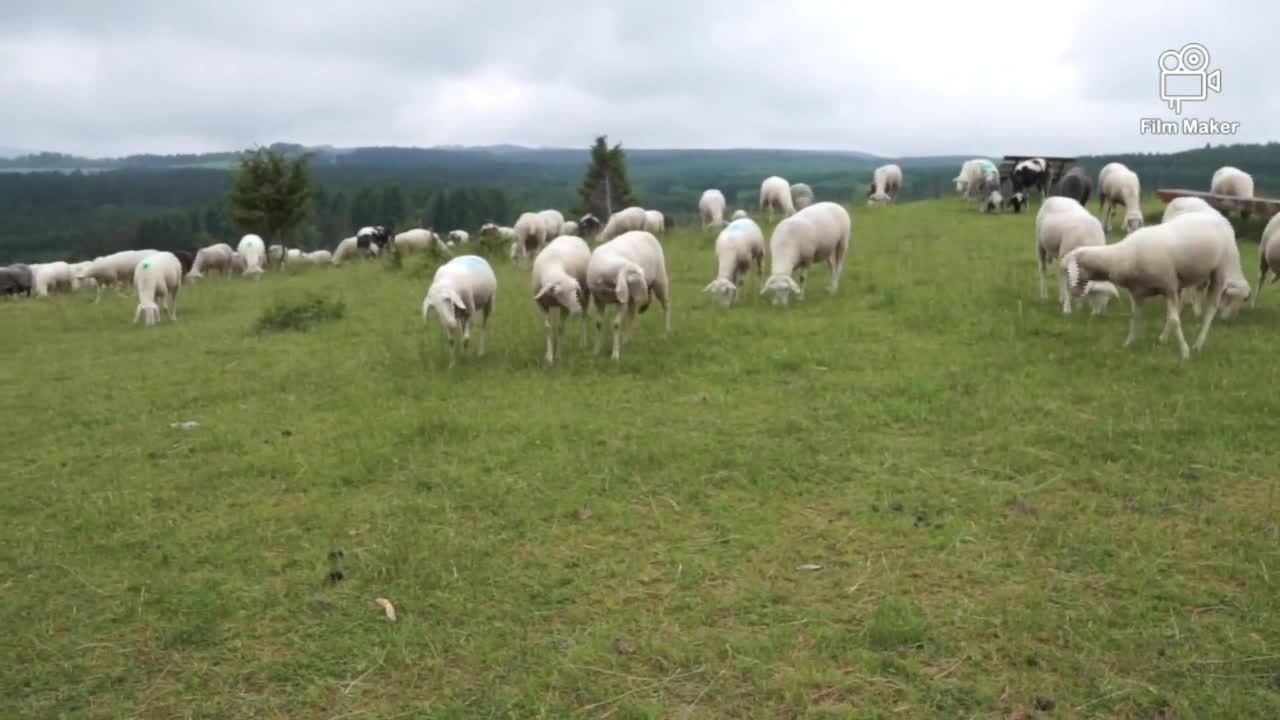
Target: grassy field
928 496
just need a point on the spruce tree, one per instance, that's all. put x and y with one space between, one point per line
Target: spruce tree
605 189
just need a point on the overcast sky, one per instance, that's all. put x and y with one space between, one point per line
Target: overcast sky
896 78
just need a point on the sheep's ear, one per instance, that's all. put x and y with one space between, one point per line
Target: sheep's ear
621 289
709 287
543 292
456 299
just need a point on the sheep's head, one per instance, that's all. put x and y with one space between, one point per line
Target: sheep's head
962 186
631 287
448 305
995 201
782 287
723 290
488 230
1099 293
1133 220
877 199
1233 296
1083 274
565 292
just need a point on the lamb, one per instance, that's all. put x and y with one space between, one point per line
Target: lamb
531 234
740 215
628 271
994 202
253 250
1030 175
458 237
1017 201
1163 260
628 220
559 281
801 196
1076 185
737 247
15 280
1119 184
1268 255
553 221
655 223
417 240
159 275
212 258
711 208
51 277
775 194
1062 225
885 183
817 233
461 288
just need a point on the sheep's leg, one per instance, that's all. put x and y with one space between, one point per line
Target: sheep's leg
1064 294
1262 283
560 328
1135 318
1214 299
452 335
466 334
484 328
549 330
1044 271
618 328
600 313
586 318
663 294
1174 311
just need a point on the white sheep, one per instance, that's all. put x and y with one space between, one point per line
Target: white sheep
817 233
347 249
1184 205
1233 182
501 232
1120 185
459 237
623 221
885 183
1062 225
655 223
994 202
417 240
775 194
51 277
801 196
553 222
571 228
461 288
216 257
737 247
977 179
319 257
628 271
1268 255
295 256
113 270
740 215
80 279
559 282
253 250
531 235
275 254
711 208
159 275
1163 259
1236 289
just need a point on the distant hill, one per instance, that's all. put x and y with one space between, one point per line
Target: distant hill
8 152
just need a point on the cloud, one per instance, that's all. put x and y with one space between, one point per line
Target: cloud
892 78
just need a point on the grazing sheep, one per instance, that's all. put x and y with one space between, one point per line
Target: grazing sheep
885 183
628 271
373 238
159 275
416 240
775 194
1164 259
570 228
740 215
655 223
253 250
1062 225
16 280
994 202
80 279
490 230
275 254
559 281
1102 178
801 196
711 208
978 178
737 247
623 221
113 270
214 258
1030 175
531 235
461 288
1233 182
1236 289
1119 184
51 277
295 256
817 233
1076 185
238 265
349 249
1268 255
458 237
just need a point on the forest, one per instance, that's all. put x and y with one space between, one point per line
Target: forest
55 206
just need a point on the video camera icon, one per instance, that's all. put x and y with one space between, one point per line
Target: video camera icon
1185 76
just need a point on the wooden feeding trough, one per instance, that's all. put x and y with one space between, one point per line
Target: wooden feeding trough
1263 207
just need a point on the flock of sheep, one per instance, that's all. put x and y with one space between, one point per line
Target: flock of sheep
1191 256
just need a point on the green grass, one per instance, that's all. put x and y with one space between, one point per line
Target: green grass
1009 509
